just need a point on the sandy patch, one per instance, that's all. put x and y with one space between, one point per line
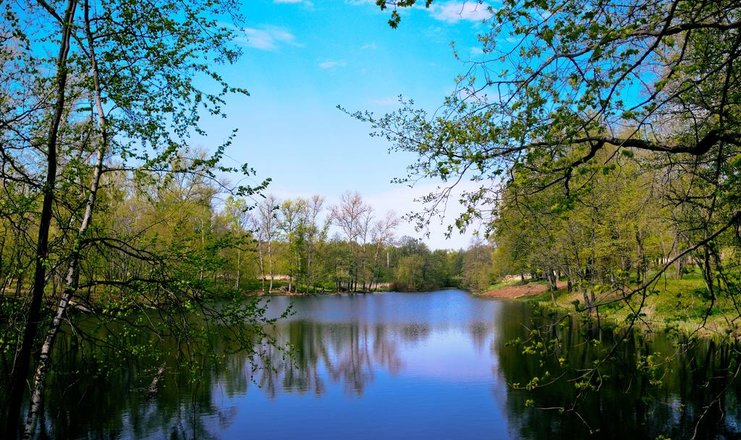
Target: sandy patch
513 292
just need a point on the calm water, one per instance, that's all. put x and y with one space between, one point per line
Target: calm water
403 366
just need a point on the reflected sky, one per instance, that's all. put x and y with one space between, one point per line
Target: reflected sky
440 308
378 366
400 366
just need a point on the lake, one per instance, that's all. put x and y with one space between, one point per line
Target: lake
437 365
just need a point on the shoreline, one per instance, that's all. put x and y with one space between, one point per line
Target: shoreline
518 291
679 308
335 293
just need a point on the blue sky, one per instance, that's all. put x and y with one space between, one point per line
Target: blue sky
303 58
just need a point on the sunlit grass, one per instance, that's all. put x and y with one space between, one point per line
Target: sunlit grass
684 305
506 282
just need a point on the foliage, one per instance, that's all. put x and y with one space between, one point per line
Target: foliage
582 86
605 139
363 254
98 103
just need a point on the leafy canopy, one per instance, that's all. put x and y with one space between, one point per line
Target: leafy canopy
561 80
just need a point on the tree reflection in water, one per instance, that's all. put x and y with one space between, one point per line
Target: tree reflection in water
654 384
441 360
348 353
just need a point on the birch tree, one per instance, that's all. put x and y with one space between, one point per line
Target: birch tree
123 83
352 216
267 232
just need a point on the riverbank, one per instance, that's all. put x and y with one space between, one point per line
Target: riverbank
382 288
514 290
682 305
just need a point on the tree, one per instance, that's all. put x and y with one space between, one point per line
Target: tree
237 218
315 236
267 232
305 235
382 235
477 266
412 268
122 83
290 219
566 94
581 79
353 217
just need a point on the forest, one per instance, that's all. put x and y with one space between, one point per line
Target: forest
603 140
109 212
340 248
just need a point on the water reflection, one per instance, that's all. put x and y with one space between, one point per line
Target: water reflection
405 366
654 385
348 340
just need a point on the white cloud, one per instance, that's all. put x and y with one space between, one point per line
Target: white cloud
453 12
449 12
267 38
369 46
332 64
287 1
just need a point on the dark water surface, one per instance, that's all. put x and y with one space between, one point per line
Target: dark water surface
406 366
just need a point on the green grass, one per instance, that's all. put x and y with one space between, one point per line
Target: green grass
683 305
506 283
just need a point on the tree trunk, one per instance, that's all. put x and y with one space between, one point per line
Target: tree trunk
642 264
239 274
203 248
22 361
261 262
675 251
73 273
270 264
19 280
552 283
550 276
588 300
309 277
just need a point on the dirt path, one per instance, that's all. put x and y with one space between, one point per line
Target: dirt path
512 292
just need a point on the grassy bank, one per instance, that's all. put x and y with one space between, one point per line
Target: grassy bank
684 305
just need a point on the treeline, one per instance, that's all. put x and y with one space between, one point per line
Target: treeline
303 245
622 224
602 150
174 225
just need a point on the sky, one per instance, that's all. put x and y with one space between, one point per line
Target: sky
301 59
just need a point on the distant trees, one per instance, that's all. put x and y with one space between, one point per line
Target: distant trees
382 237
314 233
412 269
236 221
354 217
304 236
266 225
477 267
608 240
418 268
292 237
